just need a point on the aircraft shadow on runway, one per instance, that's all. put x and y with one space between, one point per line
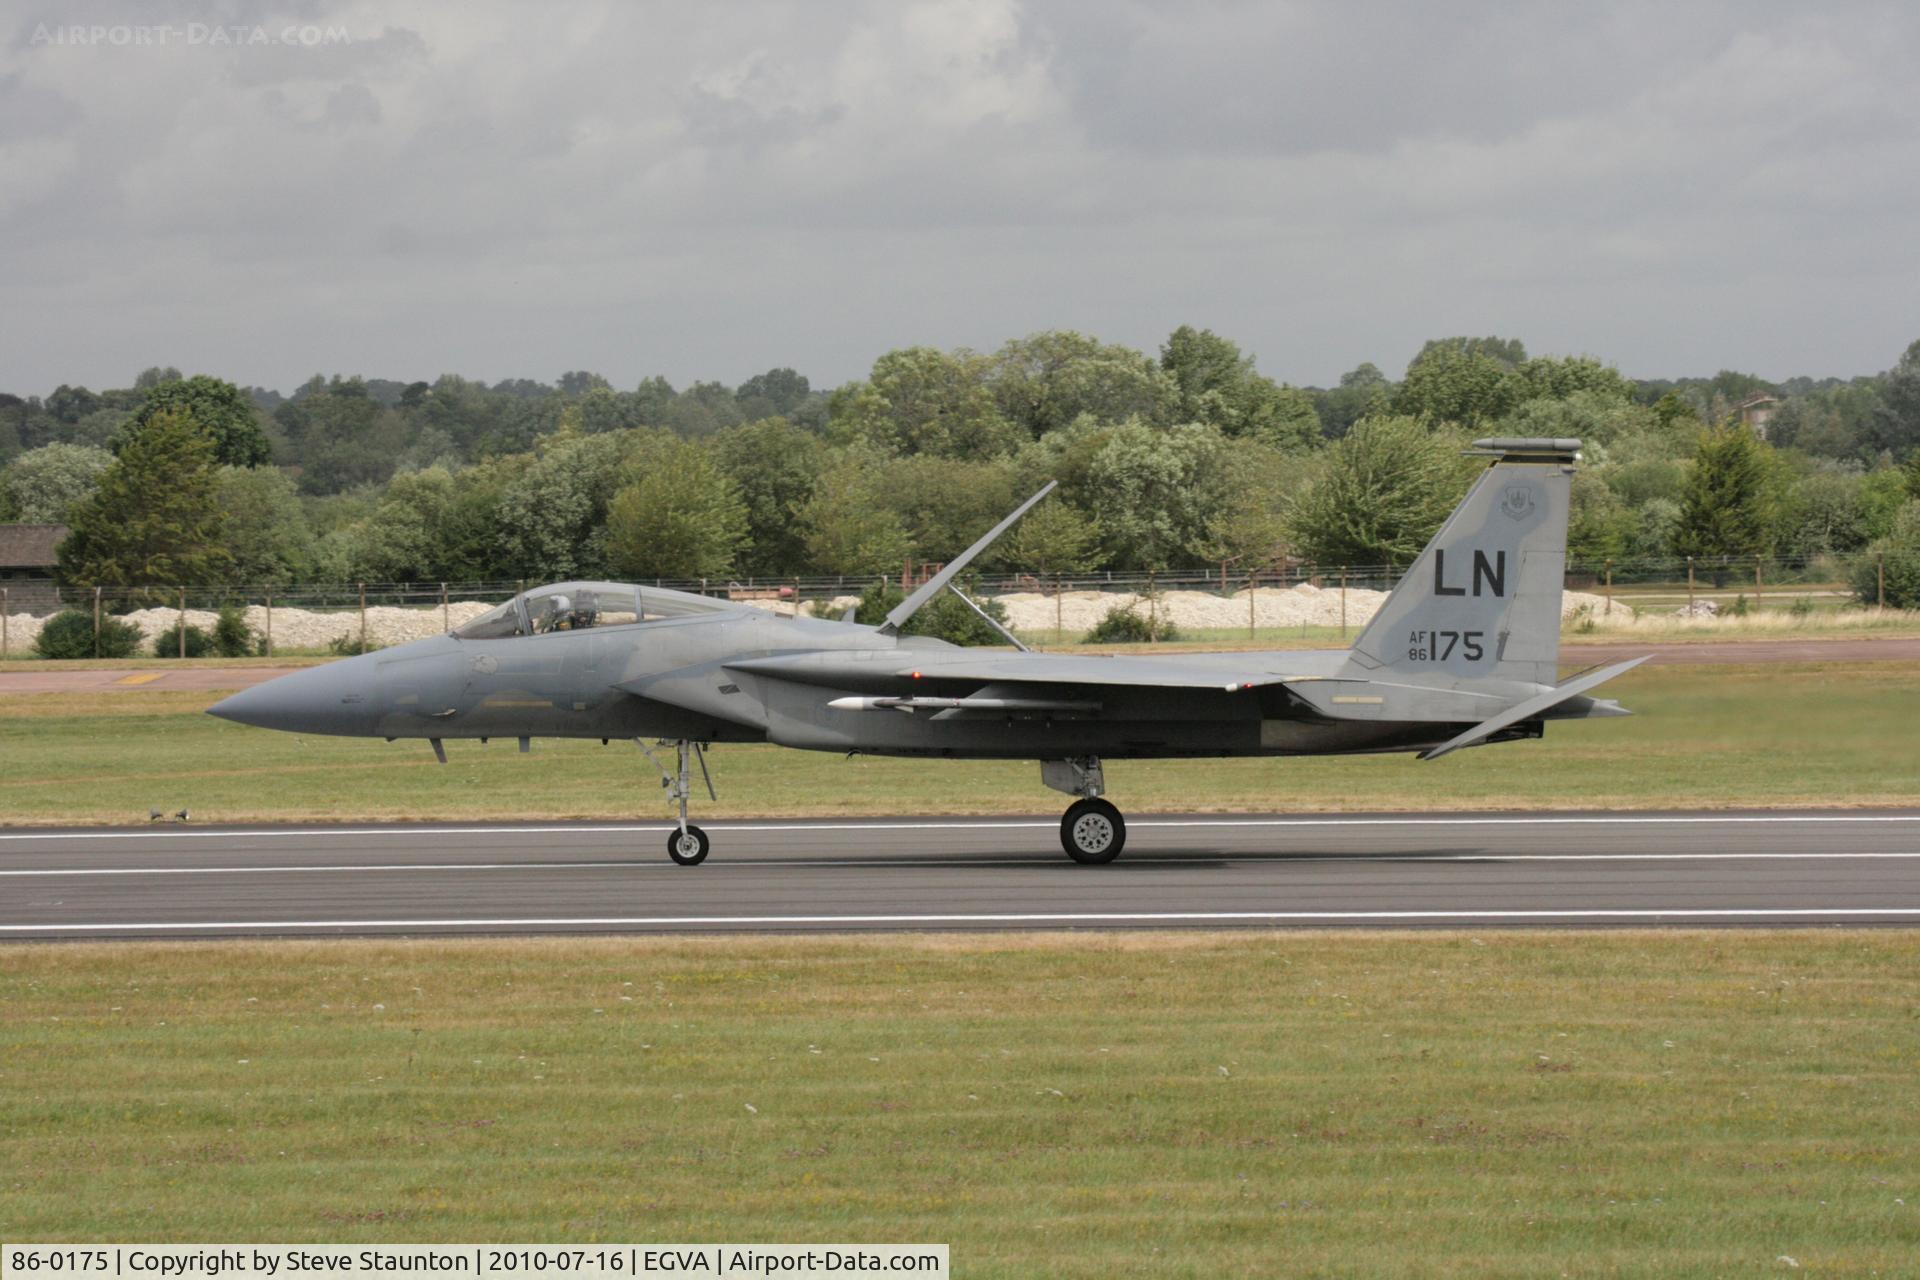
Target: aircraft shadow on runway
1160 860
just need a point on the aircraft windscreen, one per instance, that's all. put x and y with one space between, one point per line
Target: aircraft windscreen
578 606
495 624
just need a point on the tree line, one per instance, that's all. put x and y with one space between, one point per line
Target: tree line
1180 458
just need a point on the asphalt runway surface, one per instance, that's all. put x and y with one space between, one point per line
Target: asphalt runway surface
831 876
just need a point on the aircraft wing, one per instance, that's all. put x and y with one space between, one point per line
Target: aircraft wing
885 670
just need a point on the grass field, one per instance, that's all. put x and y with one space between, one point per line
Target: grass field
1510 1104
1779 734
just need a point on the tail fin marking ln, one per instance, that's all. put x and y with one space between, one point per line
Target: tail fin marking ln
1483 598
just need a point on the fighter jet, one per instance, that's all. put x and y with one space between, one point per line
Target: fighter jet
1463 652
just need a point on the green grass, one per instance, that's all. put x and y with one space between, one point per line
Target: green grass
1779 734
300 658
1440 1104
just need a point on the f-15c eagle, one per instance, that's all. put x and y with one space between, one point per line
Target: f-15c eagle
1464 651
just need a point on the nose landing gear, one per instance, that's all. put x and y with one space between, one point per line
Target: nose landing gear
1092 831
686 843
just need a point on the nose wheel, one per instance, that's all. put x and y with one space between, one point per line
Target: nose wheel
687 846
1093 832
686 843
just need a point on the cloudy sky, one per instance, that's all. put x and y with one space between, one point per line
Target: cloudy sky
707 190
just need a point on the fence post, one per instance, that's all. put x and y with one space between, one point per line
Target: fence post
96 622
1689 584
269 624
3 624
1759 589
1609 570
1880 574
1343 602
1153 620
1059 616
446 610
183 622
363 617
1253 581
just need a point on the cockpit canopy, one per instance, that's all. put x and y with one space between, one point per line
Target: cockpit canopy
576 606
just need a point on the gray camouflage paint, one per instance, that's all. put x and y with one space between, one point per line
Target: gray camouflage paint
1470 632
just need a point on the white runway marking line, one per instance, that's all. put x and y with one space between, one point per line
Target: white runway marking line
1099 917
1459 820
935 860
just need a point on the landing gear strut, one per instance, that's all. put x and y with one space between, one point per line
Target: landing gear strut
686 843
1092 832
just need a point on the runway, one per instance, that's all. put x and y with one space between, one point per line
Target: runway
1274 871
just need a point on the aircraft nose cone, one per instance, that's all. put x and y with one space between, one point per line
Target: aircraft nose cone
253 706
340 697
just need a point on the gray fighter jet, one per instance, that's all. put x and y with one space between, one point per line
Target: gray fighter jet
1464 651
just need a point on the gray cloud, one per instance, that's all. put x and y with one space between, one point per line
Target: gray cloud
707 191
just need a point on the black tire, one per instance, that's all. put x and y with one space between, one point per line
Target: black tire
694 850
1093 832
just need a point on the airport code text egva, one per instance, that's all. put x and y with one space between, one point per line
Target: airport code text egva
211 1262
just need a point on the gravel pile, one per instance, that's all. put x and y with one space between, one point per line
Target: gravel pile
292 628
1272 607
1571 602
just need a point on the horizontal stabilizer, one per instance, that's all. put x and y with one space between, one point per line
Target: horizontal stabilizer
1535 706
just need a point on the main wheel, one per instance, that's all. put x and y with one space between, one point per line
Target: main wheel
1093 832
689 847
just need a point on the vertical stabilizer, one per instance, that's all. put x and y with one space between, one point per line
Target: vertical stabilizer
1483 599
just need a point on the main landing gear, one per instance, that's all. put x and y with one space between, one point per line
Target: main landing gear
686 843
1092 831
